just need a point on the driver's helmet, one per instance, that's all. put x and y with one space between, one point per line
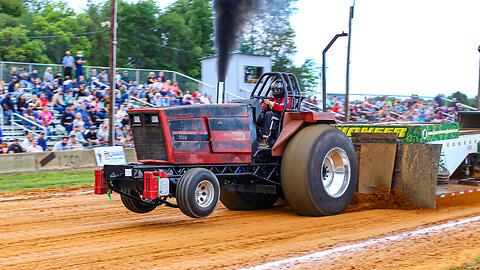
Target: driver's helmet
277 89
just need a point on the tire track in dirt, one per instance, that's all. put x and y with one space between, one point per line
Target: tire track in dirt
84 231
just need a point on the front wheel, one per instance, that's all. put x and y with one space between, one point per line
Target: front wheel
197 193
319 171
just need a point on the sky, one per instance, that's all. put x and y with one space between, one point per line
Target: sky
406 47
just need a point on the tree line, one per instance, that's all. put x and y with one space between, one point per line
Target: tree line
174 38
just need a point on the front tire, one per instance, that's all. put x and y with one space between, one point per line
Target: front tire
319 171
134 205
198 192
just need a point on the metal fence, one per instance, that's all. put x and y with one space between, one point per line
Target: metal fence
185 82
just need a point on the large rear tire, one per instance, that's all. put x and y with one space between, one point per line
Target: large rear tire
197 193
247 201
134 205
319 171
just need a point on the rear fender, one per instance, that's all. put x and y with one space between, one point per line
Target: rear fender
295 121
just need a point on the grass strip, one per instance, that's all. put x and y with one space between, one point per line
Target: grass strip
469 265
50 179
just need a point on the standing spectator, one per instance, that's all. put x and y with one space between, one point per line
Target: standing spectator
67 119
74 144
48 74
79 61
42 141
61 145
8 108
13 72
15 147
34 148
68 62
151 78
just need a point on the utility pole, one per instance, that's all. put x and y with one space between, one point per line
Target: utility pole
111 74
347 88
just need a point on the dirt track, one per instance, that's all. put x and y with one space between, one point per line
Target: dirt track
85 231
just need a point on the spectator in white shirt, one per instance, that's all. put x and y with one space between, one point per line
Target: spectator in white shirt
34 148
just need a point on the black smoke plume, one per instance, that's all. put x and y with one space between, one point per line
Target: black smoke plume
230 16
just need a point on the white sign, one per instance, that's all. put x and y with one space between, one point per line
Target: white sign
112 155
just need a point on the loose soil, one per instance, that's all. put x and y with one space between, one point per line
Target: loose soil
40 230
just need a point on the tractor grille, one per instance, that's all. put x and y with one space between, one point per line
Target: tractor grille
148 136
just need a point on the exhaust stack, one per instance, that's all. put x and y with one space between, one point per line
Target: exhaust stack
220 92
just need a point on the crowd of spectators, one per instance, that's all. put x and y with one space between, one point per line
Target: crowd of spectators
386 109
75 108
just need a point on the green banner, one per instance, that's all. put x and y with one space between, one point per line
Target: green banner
406 132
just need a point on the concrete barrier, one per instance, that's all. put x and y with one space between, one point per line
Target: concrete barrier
17 163
60 160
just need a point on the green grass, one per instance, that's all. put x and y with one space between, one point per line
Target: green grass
41 180
469 265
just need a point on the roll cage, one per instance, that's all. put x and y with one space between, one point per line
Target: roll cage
291 87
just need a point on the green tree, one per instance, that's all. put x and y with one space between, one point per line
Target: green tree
20 49
59 19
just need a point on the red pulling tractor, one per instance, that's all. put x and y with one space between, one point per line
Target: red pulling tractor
201 154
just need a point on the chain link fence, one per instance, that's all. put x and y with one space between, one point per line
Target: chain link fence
185 82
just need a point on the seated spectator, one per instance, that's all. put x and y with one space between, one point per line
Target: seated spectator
79 136
42 141
27 141
125 77
34 76
58 101
34 148
36 87
15 147
47 88
58 77
22 76
48 74
21 103
74 144
92 117
8 108
91 137
120 113
61 145
3 146
103 133
128 141
78 122
161 77
13 85
70 99
31 115
151 78
42 101
67 119
46 113
103 78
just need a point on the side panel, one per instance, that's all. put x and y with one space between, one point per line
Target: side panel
230 135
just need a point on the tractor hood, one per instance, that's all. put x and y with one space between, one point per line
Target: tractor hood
194 134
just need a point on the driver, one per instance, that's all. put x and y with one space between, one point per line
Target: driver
272 108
